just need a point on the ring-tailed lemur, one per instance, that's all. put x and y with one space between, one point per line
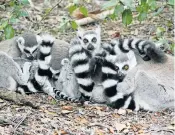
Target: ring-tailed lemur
43 75
86 46
125 63
25 46
28 45
66 80
123 94
11 74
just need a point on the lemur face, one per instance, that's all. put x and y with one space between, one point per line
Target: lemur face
123 68
29 45
31 52
124 63
90 40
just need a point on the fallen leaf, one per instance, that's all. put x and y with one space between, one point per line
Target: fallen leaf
62 132
66 111
69 108
101 108
1 101
51 113
99 132
111 130
121 111
116 35
129 111
81 120
119 127
116 115
140 131
125 131
136 127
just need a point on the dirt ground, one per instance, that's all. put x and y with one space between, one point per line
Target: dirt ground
62 117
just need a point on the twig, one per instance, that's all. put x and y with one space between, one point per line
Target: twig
98 124
93 18
50 11
19 123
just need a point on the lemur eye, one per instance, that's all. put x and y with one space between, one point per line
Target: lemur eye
94 39
85 41
125 67
25 50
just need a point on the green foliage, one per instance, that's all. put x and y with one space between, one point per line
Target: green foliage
171 2
17 11
110 4
127 17
84 11
72 8
9 31
74 25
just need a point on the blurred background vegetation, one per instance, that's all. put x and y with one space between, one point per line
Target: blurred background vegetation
34 15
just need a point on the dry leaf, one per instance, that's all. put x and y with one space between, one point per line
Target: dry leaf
99 132
65 111
101 108
69 108
51 113
62 132
116 35
1 101
81 120
111 130
116 115
121 111
119 127
126 131
140 131
129 111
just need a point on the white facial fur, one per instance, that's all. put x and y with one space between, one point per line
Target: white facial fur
20 42
129 60
90 39
29 52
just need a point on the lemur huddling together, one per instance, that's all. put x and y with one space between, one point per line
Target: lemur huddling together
123 73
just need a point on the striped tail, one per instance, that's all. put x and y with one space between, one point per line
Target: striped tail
145 48
125 102
80 60
110 80
60 95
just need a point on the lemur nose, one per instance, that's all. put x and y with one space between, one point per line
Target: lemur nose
90 47
120 73
30 57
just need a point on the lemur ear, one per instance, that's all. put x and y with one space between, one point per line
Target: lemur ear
80 33
38 39
20 42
